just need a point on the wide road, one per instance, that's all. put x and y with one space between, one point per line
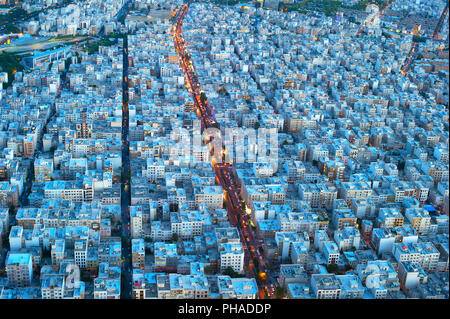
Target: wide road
225 173
125 185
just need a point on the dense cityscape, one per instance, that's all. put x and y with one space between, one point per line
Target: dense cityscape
224 149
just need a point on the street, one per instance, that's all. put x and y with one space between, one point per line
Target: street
225 172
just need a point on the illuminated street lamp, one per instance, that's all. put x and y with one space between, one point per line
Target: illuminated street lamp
262 276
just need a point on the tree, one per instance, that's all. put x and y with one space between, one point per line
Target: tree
174 238
208 270
257 125
256 262
279 292
10 63
203 97
332 268
229 271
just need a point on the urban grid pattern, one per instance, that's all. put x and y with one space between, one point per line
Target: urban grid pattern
224 149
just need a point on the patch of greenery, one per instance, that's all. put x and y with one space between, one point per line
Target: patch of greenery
229 271
331 7
19 14
10 63
362 4
288 7
328 7
13 15
203 97
229 2
332 268
11 28
208 270
92 47
418 39
279 292
174 238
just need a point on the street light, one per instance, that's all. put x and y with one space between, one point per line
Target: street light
262 276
